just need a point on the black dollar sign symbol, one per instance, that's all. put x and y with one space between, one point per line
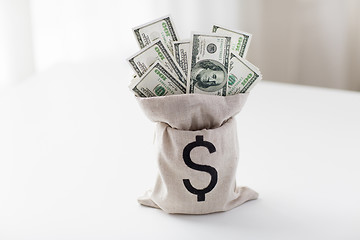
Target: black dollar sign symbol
204 168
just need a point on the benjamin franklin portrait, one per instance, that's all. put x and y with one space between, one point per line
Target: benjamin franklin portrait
209 75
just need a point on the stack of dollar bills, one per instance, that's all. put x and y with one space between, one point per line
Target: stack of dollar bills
209 63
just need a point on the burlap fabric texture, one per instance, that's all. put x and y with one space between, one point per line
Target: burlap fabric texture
198 150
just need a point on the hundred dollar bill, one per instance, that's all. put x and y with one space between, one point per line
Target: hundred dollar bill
181 53
208 72
142 60
161 28
133 83
242 75
240 41
157 81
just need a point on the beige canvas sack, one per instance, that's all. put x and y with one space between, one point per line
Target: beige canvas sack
198 151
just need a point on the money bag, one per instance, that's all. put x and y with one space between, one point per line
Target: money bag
197 153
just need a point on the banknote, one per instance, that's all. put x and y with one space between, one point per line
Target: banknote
162 28
242 75
135 80
240 41
181 53
157 81
142 60
208 71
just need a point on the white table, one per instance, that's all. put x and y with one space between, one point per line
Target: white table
76 152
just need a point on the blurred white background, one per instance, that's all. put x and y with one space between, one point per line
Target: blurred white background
312 42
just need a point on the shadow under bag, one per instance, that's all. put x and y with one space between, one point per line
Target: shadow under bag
198 152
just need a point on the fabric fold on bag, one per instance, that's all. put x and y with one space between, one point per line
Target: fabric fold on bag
192 111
